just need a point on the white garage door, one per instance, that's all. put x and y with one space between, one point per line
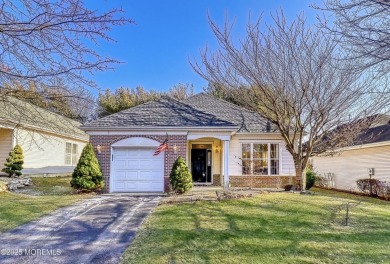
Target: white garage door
137 170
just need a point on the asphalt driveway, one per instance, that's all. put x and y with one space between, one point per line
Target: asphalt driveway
96 230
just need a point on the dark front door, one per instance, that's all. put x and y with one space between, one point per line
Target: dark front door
199 164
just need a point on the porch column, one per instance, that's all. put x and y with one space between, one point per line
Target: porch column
226 164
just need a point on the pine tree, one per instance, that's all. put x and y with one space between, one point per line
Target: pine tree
14 163
87 175
180 177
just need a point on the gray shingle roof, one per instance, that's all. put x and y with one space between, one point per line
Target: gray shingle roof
21 113
200 110
379 131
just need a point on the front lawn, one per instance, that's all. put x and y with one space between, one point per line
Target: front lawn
49 194
270 228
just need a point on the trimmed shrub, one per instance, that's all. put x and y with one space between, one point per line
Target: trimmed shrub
180 177
370 186
14 164
87 175
310 178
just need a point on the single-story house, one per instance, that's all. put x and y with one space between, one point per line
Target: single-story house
222 143
51 143
370 150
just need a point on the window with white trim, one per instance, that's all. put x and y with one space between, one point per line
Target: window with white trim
71 154
260 159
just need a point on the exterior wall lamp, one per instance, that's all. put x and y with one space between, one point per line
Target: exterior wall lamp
216 149
99 149
175 149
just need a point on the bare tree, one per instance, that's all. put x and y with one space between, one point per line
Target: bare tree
362 27
53 44
288 73
76 104
181 91
45 40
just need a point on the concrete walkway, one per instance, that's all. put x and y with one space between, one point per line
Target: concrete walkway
96 230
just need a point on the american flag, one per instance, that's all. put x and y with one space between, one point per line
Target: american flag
163 146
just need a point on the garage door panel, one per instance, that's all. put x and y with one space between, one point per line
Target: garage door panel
151 164
120 176
137 170
120 164
153 186
149 176
119 185
133 164
145 153
121 152
132 176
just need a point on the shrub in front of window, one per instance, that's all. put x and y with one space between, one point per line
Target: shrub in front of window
180 177
310 178
14 164
87 175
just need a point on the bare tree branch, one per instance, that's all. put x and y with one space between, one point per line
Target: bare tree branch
293 75
53 44
362 28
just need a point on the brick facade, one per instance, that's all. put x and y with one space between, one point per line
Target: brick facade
105 141
217 180
262 181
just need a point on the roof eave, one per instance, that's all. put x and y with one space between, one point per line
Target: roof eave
28 126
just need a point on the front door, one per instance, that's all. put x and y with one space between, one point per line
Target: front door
201 165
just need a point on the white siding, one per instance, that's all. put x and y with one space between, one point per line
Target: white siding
5 145
288 167
44 149
287 163
351 165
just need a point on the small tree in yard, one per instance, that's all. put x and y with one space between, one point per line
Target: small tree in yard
180 177
14 163
87 175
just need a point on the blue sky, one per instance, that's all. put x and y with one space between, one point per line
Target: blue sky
155 51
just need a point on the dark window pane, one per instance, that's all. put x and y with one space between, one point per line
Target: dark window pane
260 151
246 167
274 151
274 167
260 167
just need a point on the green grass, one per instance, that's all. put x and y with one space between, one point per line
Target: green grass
49 194
270 228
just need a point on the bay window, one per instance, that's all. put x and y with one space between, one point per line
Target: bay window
260 159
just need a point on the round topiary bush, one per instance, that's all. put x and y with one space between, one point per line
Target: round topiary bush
14 164
180 177
87 175
310 178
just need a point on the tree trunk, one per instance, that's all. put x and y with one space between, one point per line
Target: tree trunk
300 177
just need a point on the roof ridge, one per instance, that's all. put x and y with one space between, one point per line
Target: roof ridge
136 107
238 107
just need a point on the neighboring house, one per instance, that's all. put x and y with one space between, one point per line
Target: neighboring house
47 139
223 144
371 149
